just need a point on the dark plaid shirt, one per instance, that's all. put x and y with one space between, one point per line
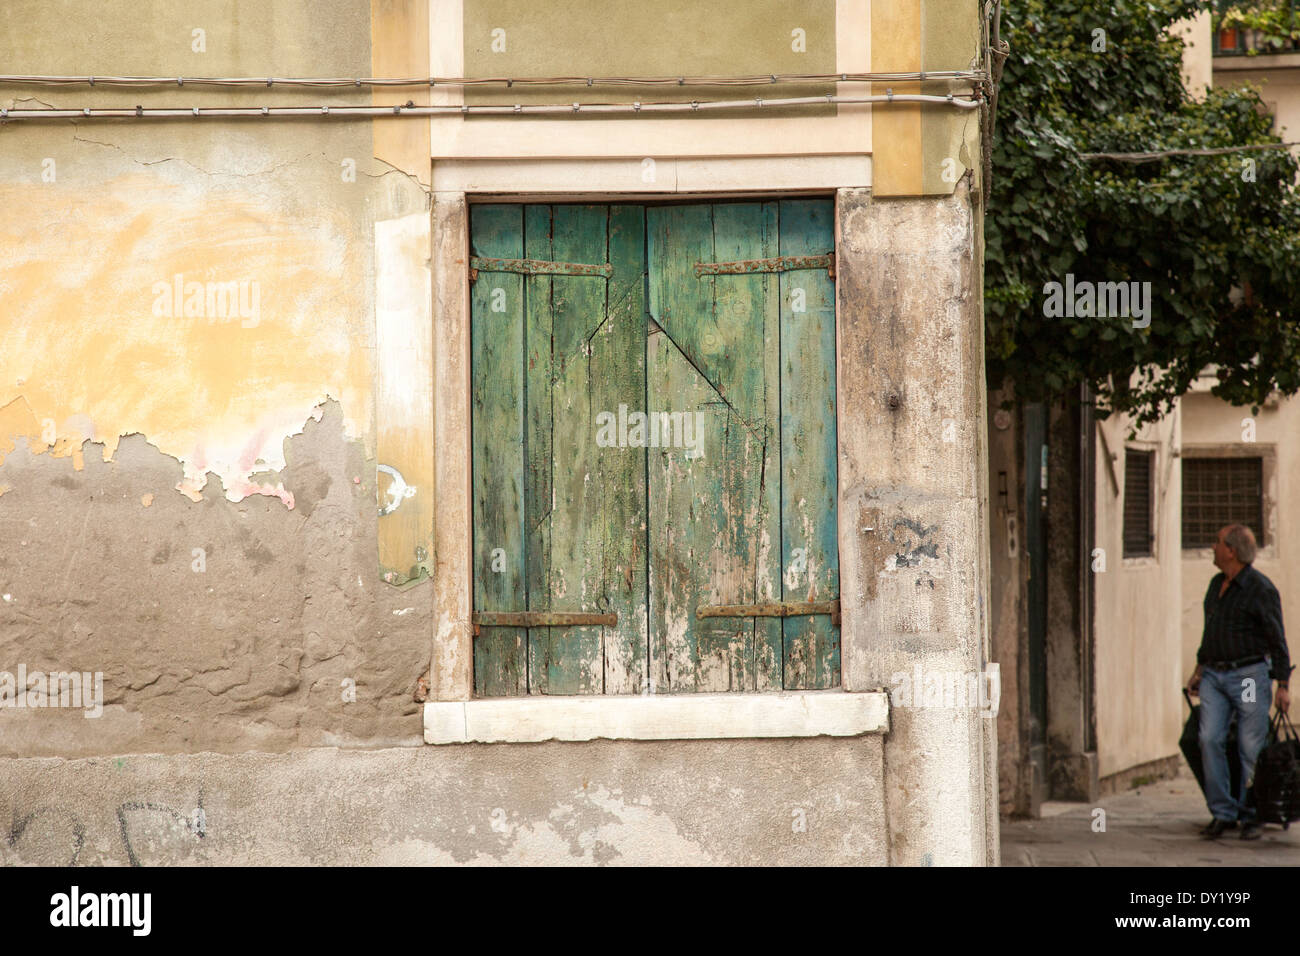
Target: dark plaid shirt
1245 622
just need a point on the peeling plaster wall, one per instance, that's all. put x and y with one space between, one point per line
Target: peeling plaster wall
188 500
93 344
250 652
103 217
187 367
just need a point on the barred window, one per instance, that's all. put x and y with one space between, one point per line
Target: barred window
1219 492
1138 536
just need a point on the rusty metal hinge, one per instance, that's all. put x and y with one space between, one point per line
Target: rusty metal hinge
538 267
541 619
772 609
778 264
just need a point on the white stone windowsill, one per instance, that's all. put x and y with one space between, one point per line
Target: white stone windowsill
831 713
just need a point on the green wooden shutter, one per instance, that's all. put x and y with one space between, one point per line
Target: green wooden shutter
497 381
754 519
715 519
733 502
565 348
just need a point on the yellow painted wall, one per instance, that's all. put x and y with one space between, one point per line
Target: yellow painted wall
923 149
100 338
518 38
98 345
102 217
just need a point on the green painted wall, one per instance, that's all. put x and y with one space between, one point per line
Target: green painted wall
633 38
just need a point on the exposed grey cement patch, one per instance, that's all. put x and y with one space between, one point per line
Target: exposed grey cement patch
250 653
810 801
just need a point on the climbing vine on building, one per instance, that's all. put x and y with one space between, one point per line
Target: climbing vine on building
1214 228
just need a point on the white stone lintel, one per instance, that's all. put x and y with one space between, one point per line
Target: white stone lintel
832 713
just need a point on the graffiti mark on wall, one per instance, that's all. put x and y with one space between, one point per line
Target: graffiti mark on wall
23 828
56 836
174 822
912 541
398 490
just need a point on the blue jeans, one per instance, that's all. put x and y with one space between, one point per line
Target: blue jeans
1221 693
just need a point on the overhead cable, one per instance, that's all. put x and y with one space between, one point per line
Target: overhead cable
433 81
345 112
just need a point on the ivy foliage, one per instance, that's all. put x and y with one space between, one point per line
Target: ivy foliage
1217 236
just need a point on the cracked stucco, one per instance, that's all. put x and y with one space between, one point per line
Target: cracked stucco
135 433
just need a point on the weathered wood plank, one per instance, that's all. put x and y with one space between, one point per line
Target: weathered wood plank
497 348
677 236
748 307
677 571
539 452
809 549
618 378
565 545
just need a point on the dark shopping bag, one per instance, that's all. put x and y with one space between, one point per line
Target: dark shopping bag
1190 744
1277 774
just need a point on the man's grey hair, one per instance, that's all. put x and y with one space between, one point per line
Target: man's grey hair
1242 542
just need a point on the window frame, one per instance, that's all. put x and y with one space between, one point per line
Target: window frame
1267 452
1152 450
452 714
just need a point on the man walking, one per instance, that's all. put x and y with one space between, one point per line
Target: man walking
1242 647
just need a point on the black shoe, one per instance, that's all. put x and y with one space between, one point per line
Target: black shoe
1215 828
1251 831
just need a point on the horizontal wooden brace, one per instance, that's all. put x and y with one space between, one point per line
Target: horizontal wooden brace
541 619
538 267
777 264
772 609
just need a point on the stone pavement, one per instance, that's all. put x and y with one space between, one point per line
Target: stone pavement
1156 824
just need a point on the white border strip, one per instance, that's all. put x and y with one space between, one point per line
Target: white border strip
720 175
656 717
